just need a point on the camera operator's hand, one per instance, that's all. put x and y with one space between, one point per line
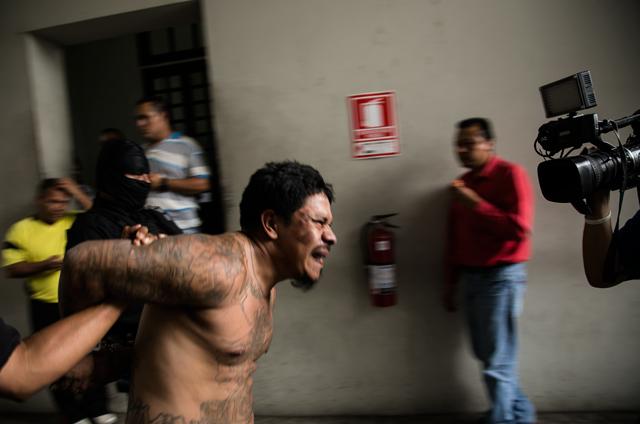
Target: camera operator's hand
464 194
596 240
599 203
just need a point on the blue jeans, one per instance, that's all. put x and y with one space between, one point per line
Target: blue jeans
493 301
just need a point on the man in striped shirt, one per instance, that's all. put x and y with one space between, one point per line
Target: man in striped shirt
179 172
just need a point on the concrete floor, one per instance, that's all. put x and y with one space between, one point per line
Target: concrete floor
545 418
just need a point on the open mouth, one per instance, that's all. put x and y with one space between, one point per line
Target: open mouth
320 254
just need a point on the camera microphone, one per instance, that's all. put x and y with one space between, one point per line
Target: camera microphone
610 125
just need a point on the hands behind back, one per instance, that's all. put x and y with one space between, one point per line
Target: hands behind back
140 235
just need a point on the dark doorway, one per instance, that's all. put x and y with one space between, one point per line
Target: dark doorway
106 78
174 67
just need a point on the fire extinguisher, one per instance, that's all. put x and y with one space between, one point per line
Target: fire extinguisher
380 258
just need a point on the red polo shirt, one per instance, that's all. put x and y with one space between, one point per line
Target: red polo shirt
496 231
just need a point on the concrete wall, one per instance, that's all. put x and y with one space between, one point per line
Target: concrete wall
281 71
50 106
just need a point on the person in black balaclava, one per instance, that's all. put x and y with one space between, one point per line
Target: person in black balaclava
122 185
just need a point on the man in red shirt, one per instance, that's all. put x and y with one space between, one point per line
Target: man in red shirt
490 220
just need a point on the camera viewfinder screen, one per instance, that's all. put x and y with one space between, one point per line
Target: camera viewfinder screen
561 97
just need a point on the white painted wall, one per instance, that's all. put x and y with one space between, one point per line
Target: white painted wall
51 118
281 70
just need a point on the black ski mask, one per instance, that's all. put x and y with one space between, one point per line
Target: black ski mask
117 158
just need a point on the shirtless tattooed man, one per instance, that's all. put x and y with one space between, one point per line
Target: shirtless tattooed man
209 299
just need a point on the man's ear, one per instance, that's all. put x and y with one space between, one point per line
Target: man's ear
269 222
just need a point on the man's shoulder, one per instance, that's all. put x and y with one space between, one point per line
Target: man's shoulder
30 231
23 226
24 222
184 141
173 149
96 224
62 224
503 167
232 246
222 256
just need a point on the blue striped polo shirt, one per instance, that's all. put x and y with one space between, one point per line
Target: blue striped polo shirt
177 157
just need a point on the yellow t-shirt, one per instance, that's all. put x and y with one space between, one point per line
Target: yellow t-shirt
32 240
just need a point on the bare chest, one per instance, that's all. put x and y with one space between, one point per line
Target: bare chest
239 331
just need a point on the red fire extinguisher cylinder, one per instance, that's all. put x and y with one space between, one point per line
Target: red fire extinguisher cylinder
381 258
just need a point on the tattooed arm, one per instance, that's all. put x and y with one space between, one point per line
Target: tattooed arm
181 270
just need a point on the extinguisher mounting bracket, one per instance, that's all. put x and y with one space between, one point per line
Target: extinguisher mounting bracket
382 219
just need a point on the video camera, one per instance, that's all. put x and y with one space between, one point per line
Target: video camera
571 179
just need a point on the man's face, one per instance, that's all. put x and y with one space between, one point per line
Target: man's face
52 205
308 238
472 147
150 122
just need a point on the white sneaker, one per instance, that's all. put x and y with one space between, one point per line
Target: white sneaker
105 419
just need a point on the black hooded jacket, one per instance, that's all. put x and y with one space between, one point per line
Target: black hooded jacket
120 202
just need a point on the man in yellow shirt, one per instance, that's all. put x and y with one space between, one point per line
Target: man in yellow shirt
34 248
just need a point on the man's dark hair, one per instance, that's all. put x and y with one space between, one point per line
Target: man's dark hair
483 123
46 184
282 187
157 103
112 133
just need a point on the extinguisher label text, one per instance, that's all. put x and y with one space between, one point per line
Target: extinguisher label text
382 277
382 245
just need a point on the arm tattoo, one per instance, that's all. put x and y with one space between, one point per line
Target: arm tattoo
180 270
